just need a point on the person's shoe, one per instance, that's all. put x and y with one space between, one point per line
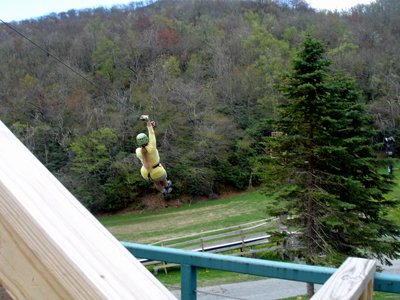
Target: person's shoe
166 191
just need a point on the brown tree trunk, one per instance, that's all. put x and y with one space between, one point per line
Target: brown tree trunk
310 290
310 213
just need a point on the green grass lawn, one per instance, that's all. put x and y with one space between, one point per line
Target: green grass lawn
151 227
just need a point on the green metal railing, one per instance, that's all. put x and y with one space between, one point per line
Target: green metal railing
190 260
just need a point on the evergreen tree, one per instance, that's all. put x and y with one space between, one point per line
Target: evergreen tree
323 170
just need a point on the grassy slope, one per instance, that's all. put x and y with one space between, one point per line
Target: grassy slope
148 228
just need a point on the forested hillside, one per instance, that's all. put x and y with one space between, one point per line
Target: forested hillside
205 70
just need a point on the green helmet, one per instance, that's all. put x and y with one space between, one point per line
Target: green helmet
142 139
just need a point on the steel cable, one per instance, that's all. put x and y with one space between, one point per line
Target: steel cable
94 84
66 65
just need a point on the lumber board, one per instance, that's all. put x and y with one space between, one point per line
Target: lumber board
352 281
51 247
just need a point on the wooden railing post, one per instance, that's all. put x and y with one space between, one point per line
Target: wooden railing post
368 293
354 280
202 244
242 237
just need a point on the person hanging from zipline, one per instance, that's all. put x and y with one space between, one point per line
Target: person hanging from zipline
152 170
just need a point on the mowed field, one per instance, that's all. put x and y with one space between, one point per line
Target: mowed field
147 228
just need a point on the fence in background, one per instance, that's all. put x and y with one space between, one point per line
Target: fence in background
243 237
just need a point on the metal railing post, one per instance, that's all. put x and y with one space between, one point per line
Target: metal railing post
188 282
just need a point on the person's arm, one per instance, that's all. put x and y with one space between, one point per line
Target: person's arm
152 137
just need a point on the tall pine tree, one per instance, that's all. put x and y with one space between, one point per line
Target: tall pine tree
323 169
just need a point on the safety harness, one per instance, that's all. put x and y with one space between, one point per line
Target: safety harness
156 166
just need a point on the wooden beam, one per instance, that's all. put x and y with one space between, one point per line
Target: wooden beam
51 247
352 281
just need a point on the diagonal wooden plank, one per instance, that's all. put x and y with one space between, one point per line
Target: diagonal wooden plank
51 247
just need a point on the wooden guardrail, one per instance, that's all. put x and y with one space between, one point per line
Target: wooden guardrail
354 280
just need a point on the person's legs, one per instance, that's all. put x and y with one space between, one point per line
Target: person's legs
163 185
159 185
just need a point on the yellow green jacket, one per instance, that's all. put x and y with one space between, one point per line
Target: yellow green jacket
153 156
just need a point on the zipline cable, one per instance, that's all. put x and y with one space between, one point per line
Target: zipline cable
91 82
63 63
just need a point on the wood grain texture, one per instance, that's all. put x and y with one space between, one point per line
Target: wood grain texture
352 281
51 247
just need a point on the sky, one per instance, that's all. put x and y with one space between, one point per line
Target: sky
18 10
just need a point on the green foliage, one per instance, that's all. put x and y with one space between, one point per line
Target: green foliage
323 169
57 157
110 61
92 161
172 67
95 25
28 82
252 17
117 195
234 172
289 33
205 71
93 152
